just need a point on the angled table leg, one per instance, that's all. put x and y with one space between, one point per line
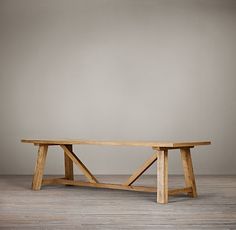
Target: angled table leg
39 167
162 176
188 171
69 172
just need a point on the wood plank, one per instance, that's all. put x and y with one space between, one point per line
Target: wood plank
39 167
120 143
99 185
177 191
141 170
162 177
69 171
78 162
58 181
168 148
188 171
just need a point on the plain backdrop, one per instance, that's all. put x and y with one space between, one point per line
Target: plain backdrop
118 70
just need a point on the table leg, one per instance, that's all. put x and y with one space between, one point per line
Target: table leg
69 172
162 176
188 171
39 167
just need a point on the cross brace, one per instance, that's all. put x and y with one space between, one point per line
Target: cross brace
162 173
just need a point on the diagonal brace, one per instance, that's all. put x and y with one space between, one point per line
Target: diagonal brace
78 162
141 170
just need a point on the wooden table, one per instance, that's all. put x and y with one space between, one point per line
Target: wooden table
160 155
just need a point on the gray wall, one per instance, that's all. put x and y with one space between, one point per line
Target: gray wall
125 70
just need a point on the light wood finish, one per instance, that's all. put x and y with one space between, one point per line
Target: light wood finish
39 167
162 177
78 162
58 181
168 148
161 153
188 171
120 143
69 171
141 170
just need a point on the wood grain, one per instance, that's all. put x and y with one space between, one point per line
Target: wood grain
162 169
188 171
39 167
162 177
141 170
59 181
80 164
119 143
69 171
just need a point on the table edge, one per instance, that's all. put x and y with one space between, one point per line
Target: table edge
116 143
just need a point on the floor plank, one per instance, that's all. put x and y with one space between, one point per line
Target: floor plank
68 207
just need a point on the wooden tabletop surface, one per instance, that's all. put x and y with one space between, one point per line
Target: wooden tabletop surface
118 143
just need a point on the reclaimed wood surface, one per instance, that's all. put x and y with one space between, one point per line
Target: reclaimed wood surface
39 167
161 153
80 164
69 169
188 171
62 181
162 177
141 170
119 143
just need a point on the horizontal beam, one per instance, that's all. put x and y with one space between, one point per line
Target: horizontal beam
171 148
63 181
97 185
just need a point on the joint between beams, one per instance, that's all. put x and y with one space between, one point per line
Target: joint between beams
171 148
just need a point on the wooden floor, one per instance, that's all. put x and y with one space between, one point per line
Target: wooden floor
67 207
